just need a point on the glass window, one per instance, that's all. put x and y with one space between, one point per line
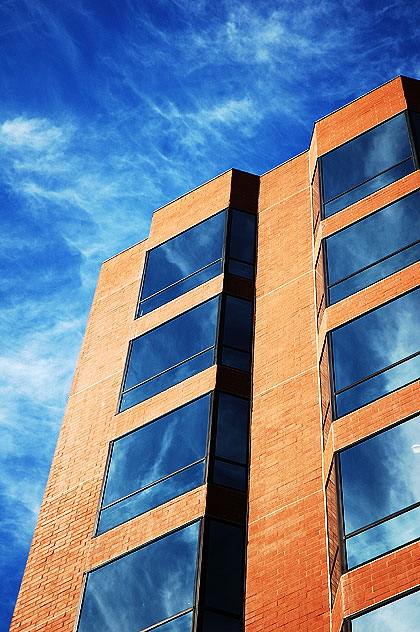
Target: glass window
145 587
401 615
231 450
373 248
170 353
224 578
237 333
183 263
242 244
185 346
380 483
152 465
366 164
376 353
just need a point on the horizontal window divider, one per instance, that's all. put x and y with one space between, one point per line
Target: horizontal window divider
371 265
231 461
224 612
368 377
163 621
225 346
368 180
164 478
250 263
149 379
400 512
143 300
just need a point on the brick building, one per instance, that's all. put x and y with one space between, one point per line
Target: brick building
241 444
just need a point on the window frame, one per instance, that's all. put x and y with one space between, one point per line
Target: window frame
209 458
328 302
343 537
224 259
205 459
331 371
414 157
217 347
198 566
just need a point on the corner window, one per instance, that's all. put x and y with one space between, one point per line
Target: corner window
198 255
187 345
366 164
401 615
380 487
153 464
373 248
230 462
163 585
183 263
376 353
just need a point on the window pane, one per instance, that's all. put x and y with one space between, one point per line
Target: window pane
377 386
401 615
241 269
143 587
236 359
237 331
152 497
242 236
381 476
184 254
232 428
375 273
363 158
180 288
225 567
377 236
230 475
172 342
371 343
155 451
384 537
365 189
165 380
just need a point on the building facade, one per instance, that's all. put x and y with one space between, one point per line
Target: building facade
241 445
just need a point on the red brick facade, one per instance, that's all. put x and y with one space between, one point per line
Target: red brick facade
288 585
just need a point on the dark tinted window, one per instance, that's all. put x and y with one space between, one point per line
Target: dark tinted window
376 353
366 164
183 263
237 333
153 464
380 482
225 568
232 432
242 244
374 247
170 353
144 587
401 615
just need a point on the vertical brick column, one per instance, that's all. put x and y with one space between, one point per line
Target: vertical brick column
287 568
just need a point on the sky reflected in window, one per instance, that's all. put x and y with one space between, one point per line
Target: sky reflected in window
143 587
365 251
401 615
180 257
380 477
370 344
366 164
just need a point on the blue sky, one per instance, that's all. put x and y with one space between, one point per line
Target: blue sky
110 109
